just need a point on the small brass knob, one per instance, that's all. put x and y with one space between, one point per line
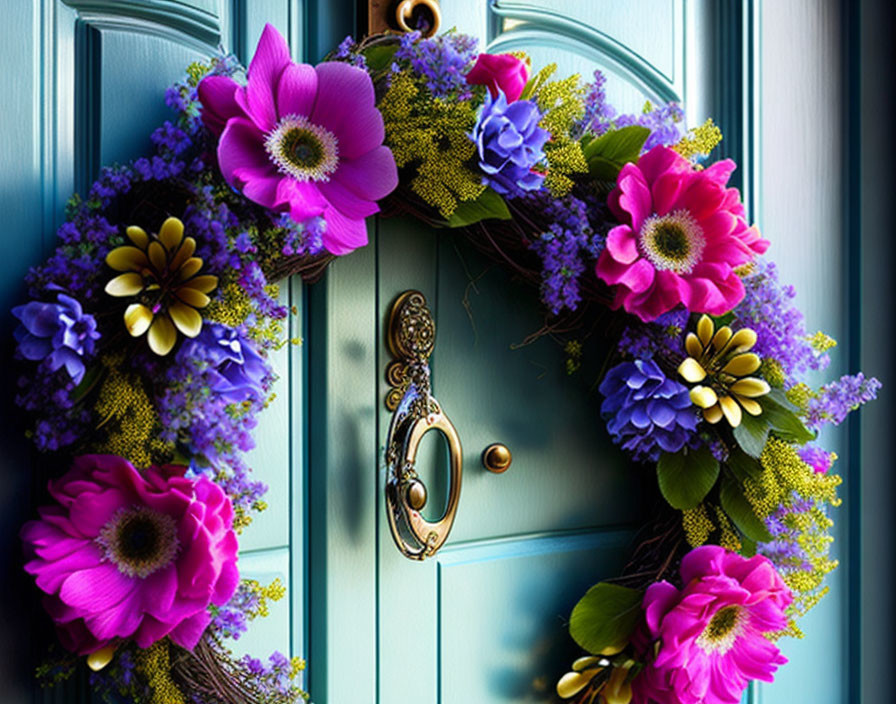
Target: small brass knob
496 458
416 494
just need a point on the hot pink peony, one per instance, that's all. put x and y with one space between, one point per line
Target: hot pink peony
503 72
303 139
683 233
125 554
711 634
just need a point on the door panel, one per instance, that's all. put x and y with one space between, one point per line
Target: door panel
484 620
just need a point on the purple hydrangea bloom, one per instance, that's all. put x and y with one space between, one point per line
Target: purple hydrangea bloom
509 143
646 412
237 372
60 332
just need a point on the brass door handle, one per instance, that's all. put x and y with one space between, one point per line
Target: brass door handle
411 338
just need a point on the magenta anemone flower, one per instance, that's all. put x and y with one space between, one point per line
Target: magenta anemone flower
125 554
711 635
683 234
302 139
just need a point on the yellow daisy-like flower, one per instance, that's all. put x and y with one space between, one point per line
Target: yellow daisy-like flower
161 272
614 689
720 363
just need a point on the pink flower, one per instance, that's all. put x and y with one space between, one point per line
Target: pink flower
683 233
500 72
711 633
130 555
303 139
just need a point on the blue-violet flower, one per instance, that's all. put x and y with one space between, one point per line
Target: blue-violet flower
646 412
61 332
509 143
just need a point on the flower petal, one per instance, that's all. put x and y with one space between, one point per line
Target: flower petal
296 90
185 318
242 157
743 364
127 258
171 234
691 370
189 268
346 106
731 410
343 234
750 387
704 397
162 335
138 236
192 297
270 60
205 283
216 93
158 257
186 250
128 284
371 176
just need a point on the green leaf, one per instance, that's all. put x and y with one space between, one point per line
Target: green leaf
742 465
607 154
488 206
786 424
740 511
605 617
752 433
379 57
685 479
88 382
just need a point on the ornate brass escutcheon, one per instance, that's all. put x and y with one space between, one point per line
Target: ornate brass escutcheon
411 337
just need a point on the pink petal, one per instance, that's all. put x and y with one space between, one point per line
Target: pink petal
304 200
228 581
346 106
216 93
297 90
241 154
158 591
188 632
343 234
270 59
659 160
371 176
151 630
91 511
621 243
720 172
120 621
345 200
96 589
634 197
666 190
51 575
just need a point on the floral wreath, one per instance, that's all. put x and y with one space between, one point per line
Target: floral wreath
147 337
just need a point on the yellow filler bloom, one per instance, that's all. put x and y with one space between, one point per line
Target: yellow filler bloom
720 363
161 273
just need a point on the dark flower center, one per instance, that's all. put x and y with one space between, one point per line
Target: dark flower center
722 630
139 541
672 242
302 148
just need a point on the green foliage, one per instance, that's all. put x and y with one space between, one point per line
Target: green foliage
605 617
607 154
752 433
686 478
782 417
379 57
488 206
740 511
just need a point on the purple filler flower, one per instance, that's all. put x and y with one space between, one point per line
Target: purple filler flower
60 332
302 139
646 411
510 142
238 371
